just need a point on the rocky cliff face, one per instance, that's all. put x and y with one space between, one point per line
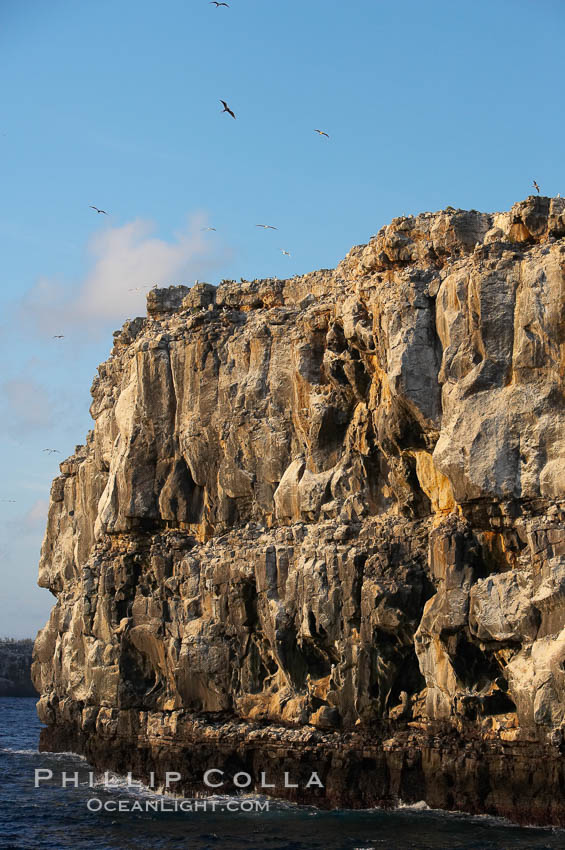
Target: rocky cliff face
15 668
319 521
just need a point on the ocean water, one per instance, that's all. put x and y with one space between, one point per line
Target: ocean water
54 818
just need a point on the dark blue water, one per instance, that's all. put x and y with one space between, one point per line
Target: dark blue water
53 818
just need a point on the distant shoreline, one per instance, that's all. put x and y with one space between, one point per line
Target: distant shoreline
15 668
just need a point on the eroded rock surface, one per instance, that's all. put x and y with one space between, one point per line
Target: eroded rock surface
334 502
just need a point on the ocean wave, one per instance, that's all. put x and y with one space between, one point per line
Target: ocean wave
19 752
457 814
420 806
63 755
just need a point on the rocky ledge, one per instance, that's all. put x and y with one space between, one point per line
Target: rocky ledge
318 526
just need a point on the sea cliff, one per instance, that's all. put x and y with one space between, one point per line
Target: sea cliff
318 525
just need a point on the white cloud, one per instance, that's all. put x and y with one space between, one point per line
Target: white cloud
124 259
128 257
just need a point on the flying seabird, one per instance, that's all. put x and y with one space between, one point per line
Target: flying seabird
52 451
286 253
226 108
535 185
207 228
58 336
321 132
97 210
216 4
266 226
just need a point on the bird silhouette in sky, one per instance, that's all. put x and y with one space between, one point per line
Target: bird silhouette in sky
52 451
8 500
266 226
227 109
321 133
286 253
58 336
97 210
207 228
216 4
535 185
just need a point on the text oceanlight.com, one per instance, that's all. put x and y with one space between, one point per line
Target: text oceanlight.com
165 804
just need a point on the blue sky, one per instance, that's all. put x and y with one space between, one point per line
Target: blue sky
116 103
